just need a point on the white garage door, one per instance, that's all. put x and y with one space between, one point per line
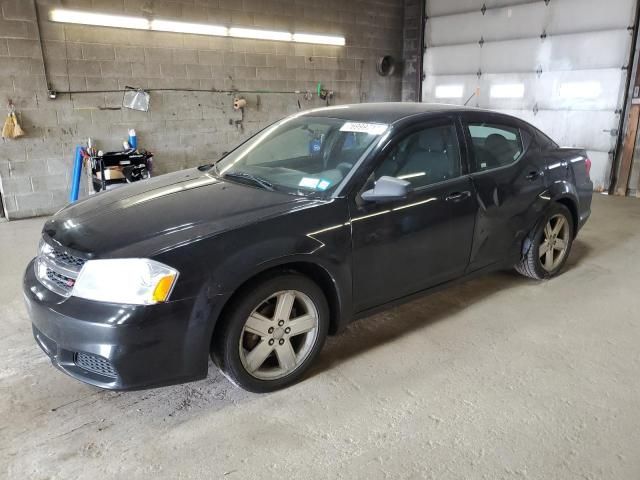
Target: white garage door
557 64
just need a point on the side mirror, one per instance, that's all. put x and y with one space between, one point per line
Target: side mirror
387 189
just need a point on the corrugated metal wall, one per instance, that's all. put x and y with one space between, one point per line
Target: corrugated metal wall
557 64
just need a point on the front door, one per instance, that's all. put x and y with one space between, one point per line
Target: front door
408 245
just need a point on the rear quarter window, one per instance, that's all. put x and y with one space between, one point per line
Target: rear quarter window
496 145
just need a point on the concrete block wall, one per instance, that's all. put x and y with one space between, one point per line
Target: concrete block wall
411 46
182 128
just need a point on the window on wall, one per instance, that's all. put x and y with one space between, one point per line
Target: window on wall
494 145
425 157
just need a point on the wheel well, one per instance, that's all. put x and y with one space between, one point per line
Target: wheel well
570 204
311 270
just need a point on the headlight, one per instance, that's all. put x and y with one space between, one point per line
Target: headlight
137 281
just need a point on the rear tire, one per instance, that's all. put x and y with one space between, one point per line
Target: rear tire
272 332
550 245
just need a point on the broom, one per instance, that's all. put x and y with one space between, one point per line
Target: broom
8 128
12 128
17 129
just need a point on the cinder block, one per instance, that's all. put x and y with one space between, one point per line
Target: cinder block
47 182
129 54
158 55
256 60
278 61
24 48
184 56
266 73
147 70
15 66
17 10
209 57
234 59
244 72
13 29
61 166
33 201
199 71
84 67
10 204
116 69
173 71
97 52
15 185
62 50
101 83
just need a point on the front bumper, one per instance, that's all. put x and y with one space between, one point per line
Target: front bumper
120 347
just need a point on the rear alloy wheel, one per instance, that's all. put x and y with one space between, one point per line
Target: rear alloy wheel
550 245
556 238
272 333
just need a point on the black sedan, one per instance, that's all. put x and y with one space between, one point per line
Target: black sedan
323 217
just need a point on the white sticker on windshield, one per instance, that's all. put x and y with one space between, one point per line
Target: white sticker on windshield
359 127
324 184
309 182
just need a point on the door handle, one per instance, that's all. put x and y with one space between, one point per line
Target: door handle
533 175
457 196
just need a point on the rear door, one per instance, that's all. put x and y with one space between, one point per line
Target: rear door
509 173
408 245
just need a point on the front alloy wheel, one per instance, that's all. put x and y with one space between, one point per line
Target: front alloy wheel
271 332
278 335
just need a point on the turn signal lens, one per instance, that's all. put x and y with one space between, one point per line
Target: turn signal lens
163 288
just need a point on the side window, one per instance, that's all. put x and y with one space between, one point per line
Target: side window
494 145
424 157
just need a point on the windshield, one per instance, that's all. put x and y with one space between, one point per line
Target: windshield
300 155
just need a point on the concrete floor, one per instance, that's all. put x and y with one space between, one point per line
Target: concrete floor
499 378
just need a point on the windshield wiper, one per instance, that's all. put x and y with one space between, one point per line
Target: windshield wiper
261 182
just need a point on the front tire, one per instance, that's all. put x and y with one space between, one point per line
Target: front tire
550 245
272 332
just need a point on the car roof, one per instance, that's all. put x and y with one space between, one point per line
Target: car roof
387 112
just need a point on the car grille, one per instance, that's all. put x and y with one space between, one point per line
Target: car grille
68 260
56 269
95 364
61 281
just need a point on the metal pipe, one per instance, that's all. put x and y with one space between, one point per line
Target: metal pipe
292 92
40 42
421 31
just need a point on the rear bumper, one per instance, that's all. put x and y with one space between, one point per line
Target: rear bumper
119 347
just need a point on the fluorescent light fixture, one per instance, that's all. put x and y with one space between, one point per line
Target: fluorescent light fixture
184 27
259 34
321 39
99 19
509 90
585 89
62 15
449 91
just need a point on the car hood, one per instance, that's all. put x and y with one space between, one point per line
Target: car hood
157 214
